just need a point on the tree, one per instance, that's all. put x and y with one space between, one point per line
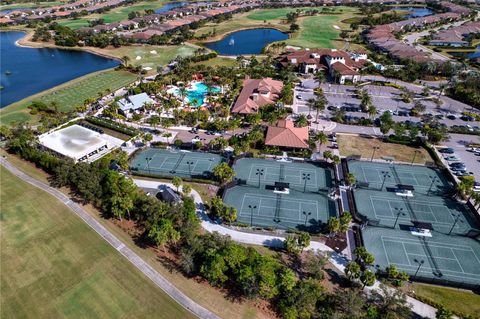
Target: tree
321 138
390 303
345 221
443 313
367 278
177 182
333 225
313 263
186 189
118 194
224 173
301 121
327 154
295 244
363 256
350 179
229 214
352 270
365 100
163 233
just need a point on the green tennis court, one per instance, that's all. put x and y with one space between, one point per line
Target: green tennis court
162 162
312 177
441 258
385 207
425 180
265 208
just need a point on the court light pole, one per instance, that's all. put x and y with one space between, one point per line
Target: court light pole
190 163
252 207
148 159
434 179
305 177
420 263
414 156
385 175
457 218
306 216
399 213
375 148
260 174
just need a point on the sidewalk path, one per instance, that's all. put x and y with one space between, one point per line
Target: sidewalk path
338 260
138 262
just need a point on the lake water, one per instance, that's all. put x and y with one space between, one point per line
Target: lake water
169 6
415 11
26 71
11 10
246 42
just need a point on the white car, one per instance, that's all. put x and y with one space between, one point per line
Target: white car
473 149
299 97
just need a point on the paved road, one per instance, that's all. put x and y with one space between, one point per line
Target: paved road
338 260
138 262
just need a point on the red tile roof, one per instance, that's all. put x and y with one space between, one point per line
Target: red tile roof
250 99
284 134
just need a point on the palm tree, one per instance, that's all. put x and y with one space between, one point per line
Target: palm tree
321 138
320 77
125 60
372 111
310 105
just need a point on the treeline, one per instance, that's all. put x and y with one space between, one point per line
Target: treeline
467 89
291 283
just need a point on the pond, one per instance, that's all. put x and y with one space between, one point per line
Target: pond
169 6
247 41
415 12
26 71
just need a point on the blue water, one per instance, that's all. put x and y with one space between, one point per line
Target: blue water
196 97
246 41
415 11
36 70
169 6
11 10
475 54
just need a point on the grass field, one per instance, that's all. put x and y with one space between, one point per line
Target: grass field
315 31
209 297
114 15
463 302
356 145
68 95
32 5
54 266
163 55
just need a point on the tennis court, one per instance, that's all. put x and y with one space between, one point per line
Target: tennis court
443 259
162 162
425 180
312 177
385 208
262 207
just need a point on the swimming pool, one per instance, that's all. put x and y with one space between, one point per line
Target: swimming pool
196 92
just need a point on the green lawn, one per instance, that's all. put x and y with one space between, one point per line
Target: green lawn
150 55
271 14
69 95
114 15
462 302
54 266
316 31
31 5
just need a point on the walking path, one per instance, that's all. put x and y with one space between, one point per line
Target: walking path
138 262
338 260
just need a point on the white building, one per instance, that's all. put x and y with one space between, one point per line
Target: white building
76 142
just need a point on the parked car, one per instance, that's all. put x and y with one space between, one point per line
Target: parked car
473 149
299 97
458 169
451 158
447 150
451 117
462 173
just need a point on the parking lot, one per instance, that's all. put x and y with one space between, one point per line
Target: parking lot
459 143
384 98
